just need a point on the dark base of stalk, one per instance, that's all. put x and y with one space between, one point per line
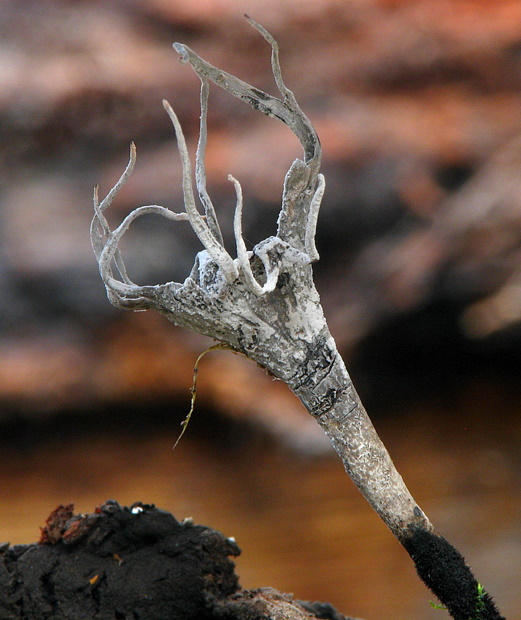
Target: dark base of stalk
443 570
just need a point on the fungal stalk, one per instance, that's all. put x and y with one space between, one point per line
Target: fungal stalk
264 305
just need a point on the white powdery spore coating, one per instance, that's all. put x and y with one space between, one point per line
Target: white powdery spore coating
306 320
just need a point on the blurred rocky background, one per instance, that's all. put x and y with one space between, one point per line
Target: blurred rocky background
418 107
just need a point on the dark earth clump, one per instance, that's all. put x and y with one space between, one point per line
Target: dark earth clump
132 563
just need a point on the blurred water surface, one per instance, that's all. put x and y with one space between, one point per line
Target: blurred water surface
301 524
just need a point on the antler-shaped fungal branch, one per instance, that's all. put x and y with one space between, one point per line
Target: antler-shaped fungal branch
264 304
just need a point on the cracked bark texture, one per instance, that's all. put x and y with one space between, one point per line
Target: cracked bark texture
264 304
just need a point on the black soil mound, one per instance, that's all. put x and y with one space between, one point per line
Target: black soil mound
135 563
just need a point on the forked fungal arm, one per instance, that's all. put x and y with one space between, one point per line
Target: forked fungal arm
264 304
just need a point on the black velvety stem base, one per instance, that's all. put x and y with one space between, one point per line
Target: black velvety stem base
443 569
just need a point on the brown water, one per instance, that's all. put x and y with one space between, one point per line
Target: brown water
302 526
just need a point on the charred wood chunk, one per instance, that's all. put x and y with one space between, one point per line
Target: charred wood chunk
136 562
